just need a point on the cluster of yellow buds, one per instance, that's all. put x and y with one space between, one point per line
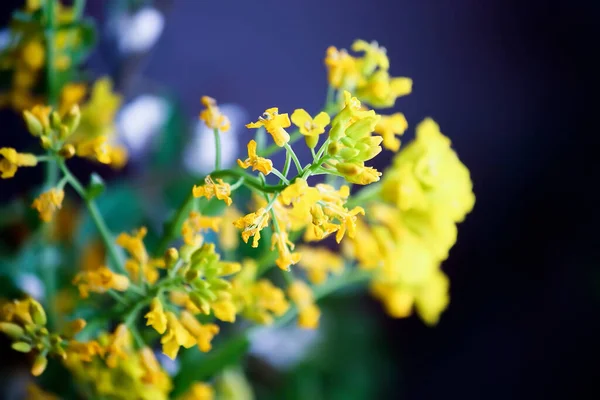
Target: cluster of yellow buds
24 322
412 226
366 76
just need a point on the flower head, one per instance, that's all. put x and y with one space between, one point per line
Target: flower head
274 123
195 225
318 262
48 203
257 163
286 258
156 316
212 116
203 333
99 281
309 313
10 161
210 189
251 225
175 337
309 127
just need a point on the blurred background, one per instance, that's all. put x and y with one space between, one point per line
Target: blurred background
508 81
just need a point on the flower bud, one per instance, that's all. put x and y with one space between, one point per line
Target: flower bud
74 327
67 151
22 347
39 365
73 118
171 256
34 126
333 148
200 302
37 312
11 330
192 275
55 121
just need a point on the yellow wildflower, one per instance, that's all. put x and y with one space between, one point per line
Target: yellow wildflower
357 173
343 72
175 337
388 127
374 56
251 225
10 161
257 163
99 281
70 95
212 116
139 261
229 237
286 258
203 334
382 91
274 123
199 391
48 203
182 299
195 224
364 247
153 372
84 351
309 313
318 262
34 54
309 127
134 244
118 344
221 190
224 309
156 316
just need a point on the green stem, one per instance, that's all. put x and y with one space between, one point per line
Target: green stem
105 234
282 178
217 149
294 157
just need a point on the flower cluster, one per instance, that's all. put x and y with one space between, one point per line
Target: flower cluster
179 288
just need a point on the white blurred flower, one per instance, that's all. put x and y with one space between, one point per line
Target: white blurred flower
32 285
199 154
140 120
282 347
171 366
137 33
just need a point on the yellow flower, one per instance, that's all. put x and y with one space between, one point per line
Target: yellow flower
48 203
388 127
203 334
134 244
84 351
309 313
374 56
195 225
221 190
343 71
318 262
274 123
364 247
156 317
229 237
99 281
34 54
309 127
382 91
224 310
175 337
357 173
257 163
283 244
199 391
117 347
70 95
182 299
11 160
212 116
153 372
251 225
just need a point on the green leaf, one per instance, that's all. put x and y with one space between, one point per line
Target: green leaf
96 186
